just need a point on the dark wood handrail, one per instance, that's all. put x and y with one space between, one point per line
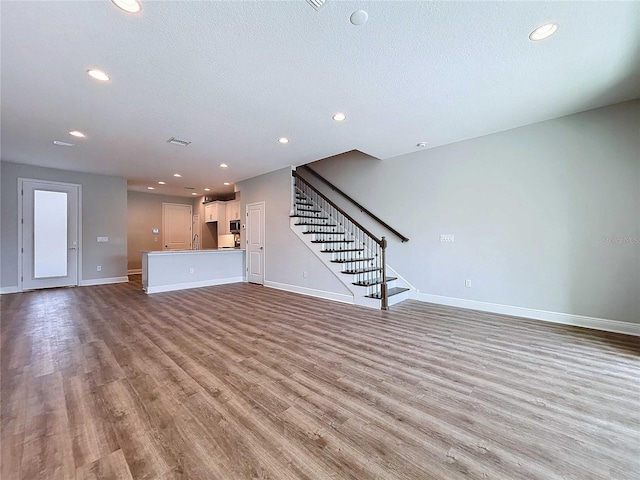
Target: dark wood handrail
362 209
346 215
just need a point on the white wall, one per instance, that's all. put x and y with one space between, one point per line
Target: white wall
538 213
286 257
104 214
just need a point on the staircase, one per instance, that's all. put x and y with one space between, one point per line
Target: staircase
354 255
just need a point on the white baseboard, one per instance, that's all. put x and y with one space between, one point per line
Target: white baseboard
12 289
134 271
312 292
615 326
102 281
187 285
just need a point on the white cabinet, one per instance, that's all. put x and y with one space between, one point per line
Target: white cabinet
223 223
211 211
233 210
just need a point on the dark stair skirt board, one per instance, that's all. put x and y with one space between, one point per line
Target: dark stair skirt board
391 292
374 281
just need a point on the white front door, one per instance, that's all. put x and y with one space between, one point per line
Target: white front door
255 243
49 234
176 226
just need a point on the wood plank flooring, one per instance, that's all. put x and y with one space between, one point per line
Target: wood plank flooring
241 381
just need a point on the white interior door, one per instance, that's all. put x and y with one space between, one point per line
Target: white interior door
49 231
255 243
176 226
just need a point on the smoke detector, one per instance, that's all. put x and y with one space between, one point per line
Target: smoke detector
180 143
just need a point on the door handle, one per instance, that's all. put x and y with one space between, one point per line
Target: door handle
73 248
261 248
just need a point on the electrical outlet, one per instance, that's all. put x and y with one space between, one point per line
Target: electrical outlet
99 268
467 283
304 274
447 238
191 270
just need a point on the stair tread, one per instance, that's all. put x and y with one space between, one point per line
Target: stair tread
309 216
390 292
308 232
373 281
331 241
362 270
353 260
343 250
317 224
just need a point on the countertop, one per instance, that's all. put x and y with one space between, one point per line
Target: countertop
209 250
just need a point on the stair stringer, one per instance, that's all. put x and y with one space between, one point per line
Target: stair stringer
359 292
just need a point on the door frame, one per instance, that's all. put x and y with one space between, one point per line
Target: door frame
264 239
20 252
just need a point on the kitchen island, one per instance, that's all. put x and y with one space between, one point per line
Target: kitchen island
169 270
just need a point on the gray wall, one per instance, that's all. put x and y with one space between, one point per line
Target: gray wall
104 214
145 214
544 216
286 257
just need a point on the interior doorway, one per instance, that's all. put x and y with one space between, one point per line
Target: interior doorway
255 243
176 226
49 233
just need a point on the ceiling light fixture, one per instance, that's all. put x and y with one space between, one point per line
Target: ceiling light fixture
359 17
283 140
543 31
223 165
227 183
421 144
63 144
207 189
76 133
193 193
339 117
129 6
98 74
161 183
177 175
150 188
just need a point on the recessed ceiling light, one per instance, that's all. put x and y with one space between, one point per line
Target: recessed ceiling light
339 117
207 189
421 144
223 165
177 175
161 183
129 6
98 74
76 133
63 144
227 183
150 188
193 193
283 140
543 31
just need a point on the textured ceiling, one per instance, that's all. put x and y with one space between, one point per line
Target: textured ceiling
233 77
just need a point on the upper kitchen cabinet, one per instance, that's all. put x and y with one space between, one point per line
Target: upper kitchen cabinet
233 210
211 212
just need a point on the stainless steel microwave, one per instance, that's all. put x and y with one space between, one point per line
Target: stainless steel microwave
234 226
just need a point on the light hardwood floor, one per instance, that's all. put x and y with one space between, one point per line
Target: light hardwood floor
240 382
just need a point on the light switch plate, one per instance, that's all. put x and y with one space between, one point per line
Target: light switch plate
447 238
103 239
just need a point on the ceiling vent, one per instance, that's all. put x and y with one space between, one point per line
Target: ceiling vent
189 188
316 4
63 144
180 143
